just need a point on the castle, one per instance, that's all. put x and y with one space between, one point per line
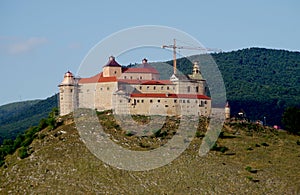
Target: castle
136 90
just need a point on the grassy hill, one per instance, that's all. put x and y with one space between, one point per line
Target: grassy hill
257 160
16 117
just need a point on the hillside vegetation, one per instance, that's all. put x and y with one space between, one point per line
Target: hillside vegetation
15 118
247 158
262 82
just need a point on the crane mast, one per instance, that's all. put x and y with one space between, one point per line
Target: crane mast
174 47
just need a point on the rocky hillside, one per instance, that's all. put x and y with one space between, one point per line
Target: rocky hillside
248 159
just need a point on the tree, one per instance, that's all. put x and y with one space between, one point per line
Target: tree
291 119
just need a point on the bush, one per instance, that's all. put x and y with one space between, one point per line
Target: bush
219 148
248 168
23 153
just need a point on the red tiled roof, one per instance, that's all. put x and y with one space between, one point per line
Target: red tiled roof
140 70
98 78
158 82
146 82
163 95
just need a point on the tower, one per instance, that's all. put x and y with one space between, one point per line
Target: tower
112 68
67 94
227 111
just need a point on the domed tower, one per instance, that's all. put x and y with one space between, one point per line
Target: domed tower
67 94
197 76
227 111
112 68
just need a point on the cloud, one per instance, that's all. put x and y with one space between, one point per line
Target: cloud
27 45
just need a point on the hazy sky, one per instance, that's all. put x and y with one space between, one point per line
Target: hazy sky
41 40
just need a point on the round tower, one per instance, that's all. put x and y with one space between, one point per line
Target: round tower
227 111
66 94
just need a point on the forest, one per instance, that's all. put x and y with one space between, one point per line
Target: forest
261 82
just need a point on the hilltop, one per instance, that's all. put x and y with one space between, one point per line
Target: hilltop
248 158
261 82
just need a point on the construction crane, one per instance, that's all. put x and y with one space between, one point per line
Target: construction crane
174 47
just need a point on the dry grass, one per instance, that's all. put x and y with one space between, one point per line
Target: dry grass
60 163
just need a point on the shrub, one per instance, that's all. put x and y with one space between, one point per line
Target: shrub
298 142
129 133
23 153
248 168
219 148
199 134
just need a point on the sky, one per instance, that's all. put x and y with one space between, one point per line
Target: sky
41 40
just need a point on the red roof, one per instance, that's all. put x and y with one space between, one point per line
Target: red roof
140 70
163 95
146 82
98 78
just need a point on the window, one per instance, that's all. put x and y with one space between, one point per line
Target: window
107 88
158 101
166 106
138 101
71 90
197 89
151 101
162 87
131 77
205 102
187 101
183 101
141 77
141 87
120 101
188 89
168 87
154 88
175 101
101 89
196 101
147 87
142 101
124 77
115 72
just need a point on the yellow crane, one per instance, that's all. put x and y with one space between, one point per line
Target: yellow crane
174 47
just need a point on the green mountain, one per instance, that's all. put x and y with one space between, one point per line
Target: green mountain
261 82
15 118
